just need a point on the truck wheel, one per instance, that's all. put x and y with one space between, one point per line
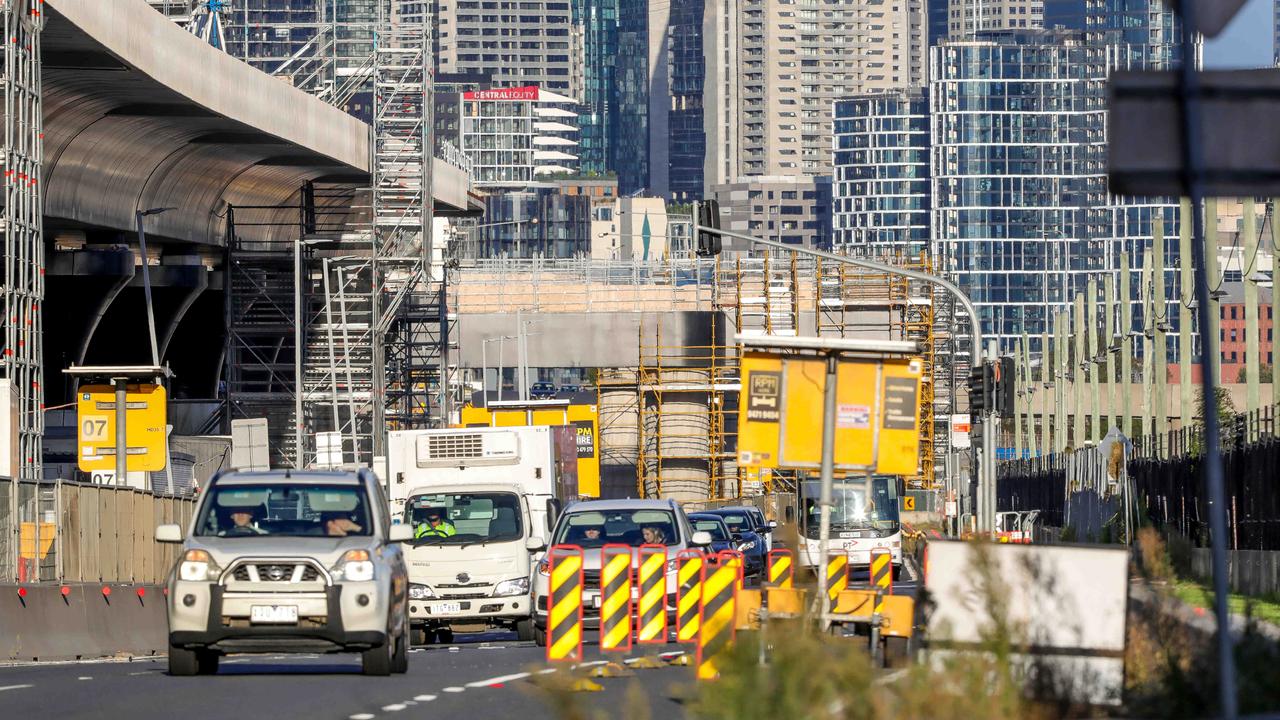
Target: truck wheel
524 630
419 636
539 636
444 635
400 661
376 661
183 662
207 662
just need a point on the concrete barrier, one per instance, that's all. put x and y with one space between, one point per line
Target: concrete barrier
40 622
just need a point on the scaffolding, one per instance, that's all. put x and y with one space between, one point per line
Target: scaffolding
23 261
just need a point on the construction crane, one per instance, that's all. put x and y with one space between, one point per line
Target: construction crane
206 22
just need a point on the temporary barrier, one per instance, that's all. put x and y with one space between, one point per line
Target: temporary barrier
615 597
735 559
719 608
881 575
652 605
781 569
837 576
689 577
564 611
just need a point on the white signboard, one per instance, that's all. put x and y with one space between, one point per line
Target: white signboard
960 427
1067 603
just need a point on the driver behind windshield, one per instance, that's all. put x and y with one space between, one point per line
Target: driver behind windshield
436 526
240 521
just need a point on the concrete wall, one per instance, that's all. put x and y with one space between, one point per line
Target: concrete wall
584 339
85 623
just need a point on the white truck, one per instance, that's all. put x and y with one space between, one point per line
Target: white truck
482 502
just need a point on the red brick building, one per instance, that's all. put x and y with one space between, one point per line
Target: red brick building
1232 336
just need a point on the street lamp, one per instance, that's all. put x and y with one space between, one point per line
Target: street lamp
146 279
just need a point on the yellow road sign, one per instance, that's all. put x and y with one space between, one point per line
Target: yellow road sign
908 502
146 417
877 413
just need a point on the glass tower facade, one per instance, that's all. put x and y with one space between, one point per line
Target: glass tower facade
631 80
599 22
881 182
686 75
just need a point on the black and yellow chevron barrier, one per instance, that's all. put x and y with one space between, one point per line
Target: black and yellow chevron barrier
564 611
881 576
719 608
651 608
689 565
615 597
781 569
837 577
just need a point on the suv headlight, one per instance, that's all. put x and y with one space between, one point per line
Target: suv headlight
355 566
420 592
198 566
518 586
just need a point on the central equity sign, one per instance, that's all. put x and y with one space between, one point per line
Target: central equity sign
519 93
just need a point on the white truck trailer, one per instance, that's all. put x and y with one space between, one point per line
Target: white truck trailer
482 502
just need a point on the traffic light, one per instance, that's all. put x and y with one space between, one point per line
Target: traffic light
707 214
979 391
1006 387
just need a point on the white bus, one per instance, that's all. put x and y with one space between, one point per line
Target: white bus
864 516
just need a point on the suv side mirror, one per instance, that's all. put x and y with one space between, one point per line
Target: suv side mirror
701 538
169 534
535 544
401 532
554 508
773 524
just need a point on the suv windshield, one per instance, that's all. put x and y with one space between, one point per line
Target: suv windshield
714 527
738 522
463 518
592 529
285 510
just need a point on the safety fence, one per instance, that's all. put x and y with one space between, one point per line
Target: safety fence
60 531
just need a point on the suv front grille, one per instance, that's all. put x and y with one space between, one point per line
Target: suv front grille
467 585
276 572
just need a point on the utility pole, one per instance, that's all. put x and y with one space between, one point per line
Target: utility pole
1126 345
1091 315
1109 344
1046 398
1078 365
1148 427
1017 399
1061 364
1249 268
1275 301
1187 293
1214 278
1160 319
1026 390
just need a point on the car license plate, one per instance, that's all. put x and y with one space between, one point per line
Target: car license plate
273 614
449 608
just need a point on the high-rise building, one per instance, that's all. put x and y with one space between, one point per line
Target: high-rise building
967 19
522 44
881 184
517 136
598 20
661 141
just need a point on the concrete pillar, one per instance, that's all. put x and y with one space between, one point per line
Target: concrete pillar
1047 385
1148 353
1251 268
1027 386
1126 343
1160 321
1078 363
1094 347
1214 277
1019 403
1185 314
1060 363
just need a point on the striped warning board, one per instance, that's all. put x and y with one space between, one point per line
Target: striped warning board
689 566
881 575
719 608
564 612
615 597
735 559
651 609
837 576
781 569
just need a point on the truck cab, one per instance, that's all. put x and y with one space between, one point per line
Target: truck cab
480 502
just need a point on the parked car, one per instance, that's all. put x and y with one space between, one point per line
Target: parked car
721 538
591 525
748 537
542 390
289 561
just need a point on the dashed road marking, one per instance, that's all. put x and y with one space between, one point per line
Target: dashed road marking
362 716
593 663
396 707
498 680
424 698
454 689
548 671
15 687
84 677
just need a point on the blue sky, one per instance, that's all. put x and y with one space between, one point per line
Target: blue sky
1246 43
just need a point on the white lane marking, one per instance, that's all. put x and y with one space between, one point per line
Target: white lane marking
362 716
498 680
144 672
397 707
94 661
84 677
454 689
424 698
593 663
15 687
676 653
548 671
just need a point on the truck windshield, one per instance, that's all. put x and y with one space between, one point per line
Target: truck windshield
593 529
463 518
284 510
870 504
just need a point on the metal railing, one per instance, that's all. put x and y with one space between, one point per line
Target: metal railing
63 531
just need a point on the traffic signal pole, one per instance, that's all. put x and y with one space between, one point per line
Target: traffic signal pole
984 503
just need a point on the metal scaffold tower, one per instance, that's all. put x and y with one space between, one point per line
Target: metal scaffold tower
23 260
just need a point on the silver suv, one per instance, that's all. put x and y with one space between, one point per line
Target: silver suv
285 561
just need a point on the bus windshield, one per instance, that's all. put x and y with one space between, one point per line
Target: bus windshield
868 504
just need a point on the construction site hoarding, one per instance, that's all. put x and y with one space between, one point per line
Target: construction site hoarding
584 419
877 413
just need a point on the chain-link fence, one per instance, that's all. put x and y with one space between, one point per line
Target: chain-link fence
73 532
